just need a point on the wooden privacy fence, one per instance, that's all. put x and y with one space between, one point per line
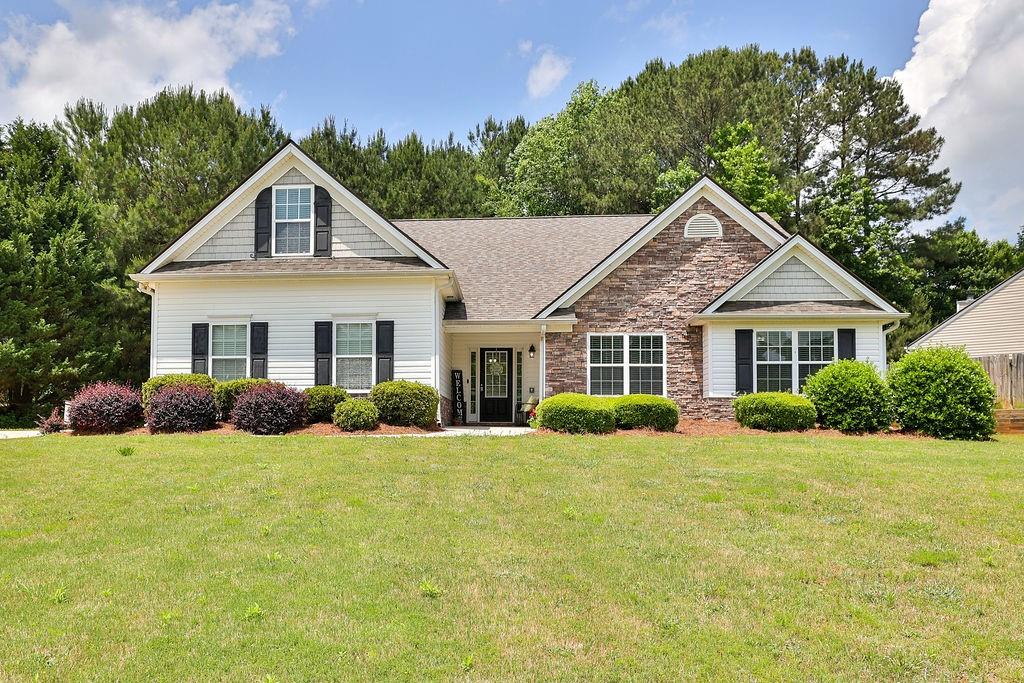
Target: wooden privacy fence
1007 373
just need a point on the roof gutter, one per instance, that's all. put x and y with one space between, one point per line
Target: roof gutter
447 274
702 318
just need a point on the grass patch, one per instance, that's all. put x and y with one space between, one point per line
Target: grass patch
548 557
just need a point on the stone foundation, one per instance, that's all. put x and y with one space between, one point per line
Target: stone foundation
446 411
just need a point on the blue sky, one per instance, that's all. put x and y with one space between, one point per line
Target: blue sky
437 67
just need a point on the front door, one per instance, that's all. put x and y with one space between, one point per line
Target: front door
496 385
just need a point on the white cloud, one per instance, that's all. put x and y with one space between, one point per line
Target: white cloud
672 25
122 53
525 47
547 74
964 79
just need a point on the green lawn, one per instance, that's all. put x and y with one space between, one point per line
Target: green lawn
536 557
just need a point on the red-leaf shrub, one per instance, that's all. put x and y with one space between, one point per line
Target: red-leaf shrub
52 424
269 409
181 408
105 407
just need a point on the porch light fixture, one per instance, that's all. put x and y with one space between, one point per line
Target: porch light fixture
533 351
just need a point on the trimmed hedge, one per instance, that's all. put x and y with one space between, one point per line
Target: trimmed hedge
577 414
269 409
154 384
226 393
403 403
638 411
181 408
357 415
850 396
945 393
105 407
775 411
322 401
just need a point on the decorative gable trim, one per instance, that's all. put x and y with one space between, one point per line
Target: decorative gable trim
280 163
815 259
703 188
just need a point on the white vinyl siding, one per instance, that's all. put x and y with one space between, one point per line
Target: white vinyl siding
720 374
794 280
290 307
989 327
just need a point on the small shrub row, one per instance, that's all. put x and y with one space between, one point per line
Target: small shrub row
155 384
850 396
585 414
403 403
269 409
105 407
226 393
774 411
322 400
181 408
357 415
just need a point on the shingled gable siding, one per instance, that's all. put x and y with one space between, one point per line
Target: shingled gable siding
656 290
349 236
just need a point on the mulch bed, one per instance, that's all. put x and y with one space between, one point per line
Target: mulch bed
691 427
318 429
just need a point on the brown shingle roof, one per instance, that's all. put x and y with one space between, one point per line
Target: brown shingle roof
797 307
511 268
297 266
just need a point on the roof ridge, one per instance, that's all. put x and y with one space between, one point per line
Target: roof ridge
516 218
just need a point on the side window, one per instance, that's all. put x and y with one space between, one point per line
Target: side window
229 352
353 356
293 220
607 365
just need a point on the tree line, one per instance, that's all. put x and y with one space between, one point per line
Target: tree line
825 145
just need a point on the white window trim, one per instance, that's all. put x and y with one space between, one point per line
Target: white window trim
626 365
248 345
795 362
335 355
274 221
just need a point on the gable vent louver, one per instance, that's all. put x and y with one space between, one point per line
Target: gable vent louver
703 225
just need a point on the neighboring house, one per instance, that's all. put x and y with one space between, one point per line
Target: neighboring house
294 278
992 324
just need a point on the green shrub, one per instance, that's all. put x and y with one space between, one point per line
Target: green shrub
154 384
227 393
577 414
405 403
322 401
943 392
638 411
356 415
774 412
850 396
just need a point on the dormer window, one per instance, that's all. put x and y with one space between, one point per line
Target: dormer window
293 220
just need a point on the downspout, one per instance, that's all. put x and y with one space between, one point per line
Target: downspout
150 291
543 360
886 329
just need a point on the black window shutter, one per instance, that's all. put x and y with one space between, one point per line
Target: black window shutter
201 348
258 350
322 351
744 361
847 344
385 350
264 203
322 221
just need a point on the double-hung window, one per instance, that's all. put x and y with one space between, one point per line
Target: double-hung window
293 220
780 368
626 364
229 351
353 356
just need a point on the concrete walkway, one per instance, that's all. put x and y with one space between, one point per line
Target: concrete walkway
18 433
484 430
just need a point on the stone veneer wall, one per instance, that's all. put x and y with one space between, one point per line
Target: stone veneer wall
446 411
656 290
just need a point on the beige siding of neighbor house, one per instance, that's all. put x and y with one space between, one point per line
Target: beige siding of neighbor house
720 368
794 280
290 307
989 327
349 235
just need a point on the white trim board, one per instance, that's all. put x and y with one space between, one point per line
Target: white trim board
705 188
817 261
290 155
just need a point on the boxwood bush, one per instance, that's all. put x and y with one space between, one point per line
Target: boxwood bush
577 414
774 411
638 411
181 408
269 409
943 392
322 401
405 403
356 415
850 396
105 407
226 393
154 384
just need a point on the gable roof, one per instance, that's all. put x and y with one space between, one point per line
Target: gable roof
768 232
831 271
969 308
509 268
280 162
